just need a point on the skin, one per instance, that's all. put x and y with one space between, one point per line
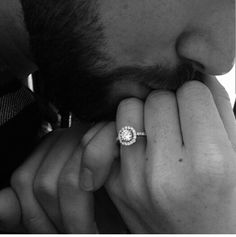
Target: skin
166 33
184 181
171 31
147 33
189 188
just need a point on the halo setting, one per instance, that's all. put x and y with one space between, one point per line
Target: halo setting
127 136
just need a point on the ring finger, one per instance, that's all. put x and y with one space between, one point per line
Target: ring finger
130 113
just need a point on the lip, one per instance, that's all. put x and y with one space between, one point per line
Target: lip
128 89
175 85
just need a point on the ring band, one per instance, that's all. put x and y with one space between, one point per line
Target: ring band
128 136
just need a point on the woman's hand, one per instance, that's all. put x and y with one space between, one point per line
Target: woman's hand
181 178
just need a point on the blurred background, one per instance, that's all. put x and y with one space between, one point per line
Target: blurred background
228 81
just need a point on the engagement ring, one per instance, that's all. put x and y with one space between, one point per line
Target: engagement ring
128 136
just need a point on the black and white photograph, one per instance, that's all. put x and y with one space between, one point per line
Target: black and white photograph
117 117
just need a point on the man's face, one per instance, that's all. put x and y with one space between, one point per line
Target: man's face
165 32
154 44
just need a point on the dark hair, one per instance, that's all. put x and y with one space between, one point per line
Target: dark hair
65 38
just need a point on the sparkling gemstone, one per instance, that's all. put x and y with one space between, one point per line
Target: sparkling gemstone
127 135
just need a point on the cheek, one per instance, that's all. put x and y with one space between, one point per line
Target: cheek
140 31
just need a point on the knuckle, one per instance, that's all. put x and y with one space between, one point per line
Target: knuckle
209 163
68 180
20 179
167 185
214 174
86 139
91 154
43 186
161 180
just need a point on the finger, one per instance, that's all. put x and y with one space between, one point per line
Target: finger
130 113
76 204
46 181
224 107
200 120
10 211
33 217
162 122
164 140
98 156
91 133
116 192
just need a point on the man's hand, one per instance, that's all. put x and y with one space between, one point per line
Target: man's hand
182 177
51 189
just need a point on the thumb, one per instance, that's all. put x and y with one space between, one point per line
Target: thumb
224 107
10 211
98 157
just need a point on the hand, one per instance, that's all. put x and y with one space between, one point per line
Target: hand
182 177
52 188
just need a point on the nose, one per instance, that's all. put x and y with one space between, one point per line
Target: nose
209 42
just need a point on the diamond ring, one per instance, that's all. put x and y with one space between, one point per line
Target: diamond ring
128 136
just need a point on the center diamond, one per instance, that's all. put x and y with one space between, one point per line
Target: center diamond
127 136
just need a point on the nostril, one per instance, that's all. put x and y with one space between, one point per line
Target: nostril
195 66
198 66
186 51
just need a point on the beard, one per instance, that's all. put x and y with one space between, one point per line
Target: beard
95 96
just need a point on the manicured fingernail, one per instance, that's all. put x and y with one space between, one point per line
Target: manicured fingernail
86 180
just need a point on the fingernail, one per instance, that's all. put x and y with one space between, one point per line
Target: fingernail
86 180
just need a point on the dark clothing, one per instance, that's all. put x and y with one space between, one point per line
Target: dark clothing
20 121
